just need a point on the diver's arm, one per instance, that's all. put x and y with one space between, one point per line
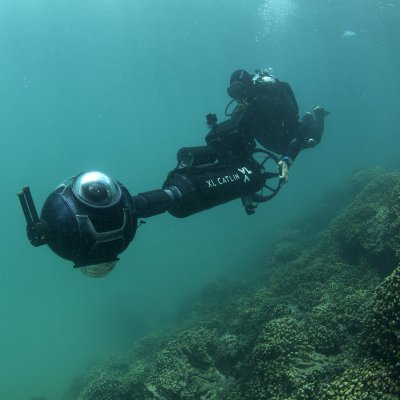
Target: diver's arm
295 145
289 156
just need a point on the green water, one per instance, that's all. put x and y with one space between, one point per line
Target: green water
119 86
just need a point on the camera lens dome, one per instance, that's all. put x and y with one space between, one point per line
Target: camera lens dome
96 189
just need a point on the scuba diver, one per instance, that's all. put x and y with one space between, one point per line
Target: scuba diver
267 110
90 219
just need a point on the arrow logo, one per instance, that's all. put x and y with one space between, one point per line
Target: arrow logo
245 173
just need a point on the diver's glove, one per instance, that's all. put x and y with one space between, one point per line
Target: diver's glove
283 166
313 121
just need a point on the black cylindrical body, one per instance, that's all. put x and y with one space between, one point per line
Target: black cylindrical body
154 202
205 187
193 156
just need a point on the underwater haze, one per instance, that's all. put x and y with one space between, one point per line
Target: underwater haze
119 86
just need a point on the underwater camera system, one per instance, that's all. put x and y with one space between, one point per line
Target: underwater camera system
91 218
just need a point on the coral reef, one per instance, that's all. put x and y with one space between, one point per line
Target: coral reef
383 323
368 379
369 230
321 321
